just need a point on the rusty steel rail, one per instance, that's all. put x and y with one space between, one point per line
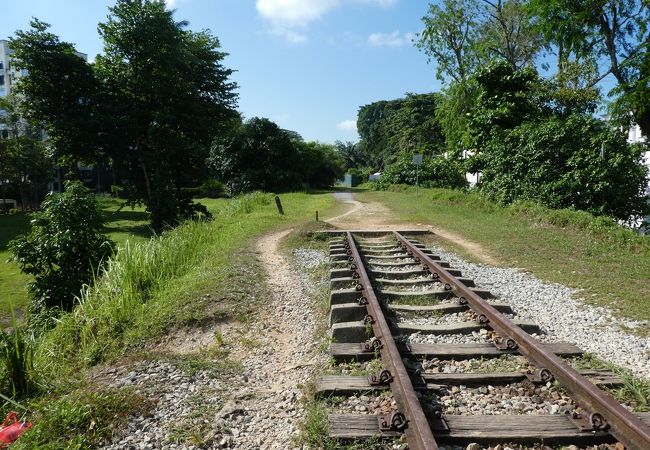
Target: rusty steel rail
602 411
418 430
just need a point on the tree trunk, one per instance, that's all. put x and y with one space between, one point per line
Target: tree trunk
147 184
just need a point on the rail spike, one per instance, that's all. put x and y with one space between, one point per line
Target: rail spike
396 421
383 378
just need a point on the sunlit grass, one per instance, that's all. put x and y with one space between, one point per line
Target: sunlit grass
609 263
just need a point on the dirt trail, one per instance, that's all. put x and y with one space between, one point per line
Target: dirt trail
280 360
374 215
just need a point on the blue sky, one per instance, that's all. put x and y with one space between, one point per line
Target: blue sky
306 64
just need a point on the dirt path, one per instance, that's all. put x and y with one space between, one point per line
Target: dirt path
374 215
265 413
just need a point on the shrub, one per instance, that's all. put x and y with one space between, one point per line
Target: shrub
569 162
434 172
212 188
64 248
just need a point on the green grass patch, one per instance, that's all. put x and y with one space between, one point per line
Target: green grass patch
608 262
13 283
81 420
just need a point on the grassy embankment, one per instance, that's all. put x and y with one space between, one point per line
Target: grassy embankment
121 224
609 263
197 274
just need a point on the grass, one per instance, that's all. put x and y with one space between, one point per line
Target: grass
59 419
122 224
635 391
198 274
13 284
610 264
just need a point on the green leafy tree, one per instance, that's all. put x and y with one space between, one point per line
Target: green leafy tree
461 35
506 98
167 94
262 156
59 93
434 172
508 33
64 248
258 156
322 164
374 132
25 162
612 33
351 154
454 110
450 38
409 124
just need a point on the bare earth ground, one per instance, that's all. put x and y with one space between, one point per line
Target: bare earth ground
371 215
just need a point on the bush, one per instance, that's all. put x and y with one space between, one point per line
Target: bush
434 172
572 162
64 248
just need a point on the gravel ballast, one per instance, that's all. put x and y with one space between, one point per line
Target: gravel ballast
562 315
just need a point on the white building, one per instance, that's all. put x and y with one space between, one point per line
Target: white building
635 135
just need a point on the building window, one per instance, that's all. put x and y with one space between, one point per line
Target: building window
5 134
2 80
1 65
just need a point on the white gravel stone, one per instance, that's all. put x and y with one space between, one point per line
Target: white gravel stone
562 314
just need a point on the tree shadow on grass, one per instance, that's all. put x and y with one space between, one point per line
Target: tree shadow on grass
143 230
131 222
11 226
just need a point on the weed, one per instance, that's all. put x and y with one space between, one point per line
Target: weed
17 357
81 420
635 391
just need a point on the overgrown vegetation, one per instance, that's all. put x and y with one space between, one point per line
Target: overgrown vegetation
635 391
521 136
79 420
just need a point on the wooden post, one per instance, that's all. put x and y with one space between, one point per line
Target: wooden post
316 216
279 205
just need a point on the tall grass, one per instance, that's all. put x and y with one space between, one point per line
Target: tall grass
150 287
110 305
17 361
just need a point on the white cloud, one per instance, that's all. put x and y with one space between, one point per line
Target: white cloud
290 17
292 36
394 39
294 12
170 3
348 125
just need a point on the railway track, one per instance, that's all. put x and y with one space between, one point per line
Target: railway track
389 291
